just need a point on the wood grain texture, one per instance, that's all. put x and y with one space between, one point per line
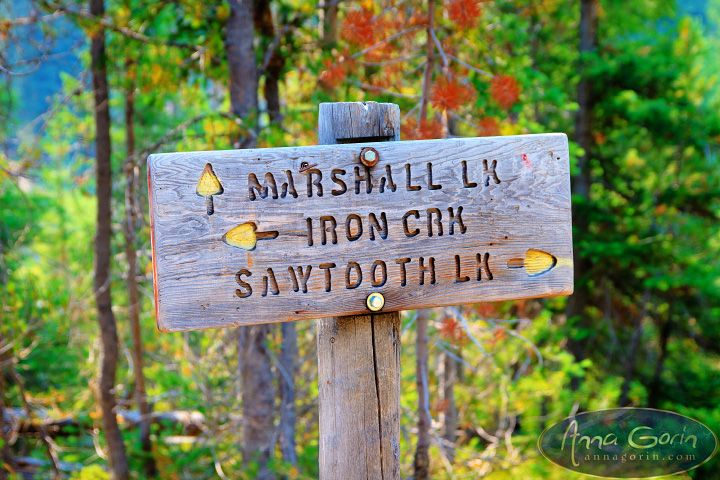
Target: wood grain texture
359 369
196 272
351 122
359 396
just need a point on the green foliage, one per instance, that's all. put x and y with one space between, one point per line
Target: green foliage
92 472
651 329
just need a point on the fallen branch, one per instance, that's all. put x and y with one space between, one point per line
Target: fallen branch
384 91
128 32
41 423
29 465
384 41
44 434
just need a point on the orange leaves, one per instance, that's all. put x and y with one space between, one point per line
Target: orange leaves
450 94
452 330
499 334
440 405
380 53
425 130
418 19
357 27
5 26
464 13
334 73
489 127
540 7
486 310
505 90
362 29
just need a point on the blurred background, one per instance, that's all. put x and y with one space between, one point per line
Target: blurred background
89 388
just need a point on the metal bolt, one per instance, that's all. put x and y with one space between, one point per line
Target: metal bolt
369 156
305 166
375 302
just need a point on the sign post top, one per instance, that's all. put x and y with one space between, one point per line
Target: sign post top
266 235
356 122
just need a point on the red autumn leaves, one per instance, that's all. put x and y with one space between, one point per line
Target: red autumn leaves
449 93
358 27
505 90
464 13
426 129
365 32
452 331
334 73
489 127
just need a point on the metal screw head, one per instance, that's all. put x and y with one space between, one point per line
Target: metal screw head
375 302
369 156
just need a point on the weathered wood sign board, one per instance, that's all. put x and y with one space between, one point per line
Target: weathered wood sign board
270 235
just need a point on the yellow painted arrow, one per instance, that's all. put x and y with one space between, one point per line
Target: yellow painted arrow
537 262
244 236
207 186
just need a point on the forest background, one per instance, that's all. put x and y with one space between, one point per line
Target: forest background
90 90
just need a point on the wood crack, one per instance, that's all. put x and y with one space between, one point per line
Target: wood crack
377 392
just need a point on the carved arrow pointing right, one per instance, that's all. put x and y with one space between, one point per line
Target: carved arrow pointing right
537 262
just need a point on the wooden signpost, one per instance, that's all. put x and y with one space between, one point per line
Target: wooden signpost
361 225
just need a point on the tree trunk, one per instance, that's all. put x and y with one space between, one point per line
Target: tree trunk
535 27
7 460
265 25
258 395
243 69
429 63
329 23
633 351
656 383
106 318
450 412
631 361
288 364
581 182
258 398
422 457
130 224
272 86
586 99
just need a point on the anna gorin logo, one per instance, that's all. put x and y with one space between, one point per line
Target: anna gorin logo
628 443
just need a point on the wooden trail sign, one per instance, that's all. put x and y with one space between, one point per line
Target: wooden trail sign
266 235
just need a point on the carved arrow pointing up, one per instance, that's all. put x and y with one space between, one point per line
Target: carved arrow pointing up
207 186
